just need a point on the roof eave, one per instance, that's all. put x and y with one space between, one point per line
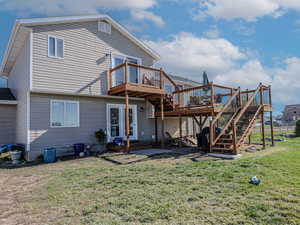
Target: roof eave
9 46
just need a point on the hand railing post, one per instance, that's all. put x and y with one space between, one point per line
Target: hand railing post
212 94
211 135
261 94
234 137
126 72
109 79
160 78
240 97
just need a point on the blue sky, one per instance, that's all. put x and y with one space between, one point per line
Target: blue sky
238 43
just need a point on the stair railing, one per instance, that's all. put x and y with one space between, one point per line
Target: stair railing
240 114
250 126
250 101
225 108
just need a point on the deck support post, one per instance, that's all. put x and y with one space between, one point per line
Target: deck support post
180 130
155 124
271 115
263 129
262 118
162 122
127 125
200 128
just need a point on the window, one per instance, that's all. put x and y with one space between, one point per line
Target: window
64 113
55 47
104 27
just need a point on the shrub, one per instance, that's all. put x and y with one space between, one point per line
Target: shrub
297 130
100 136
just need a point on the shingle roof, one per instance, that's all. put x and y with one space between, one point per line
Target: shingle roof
6 95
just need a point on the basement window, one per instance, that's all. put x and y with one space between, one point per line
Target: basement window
55 47
64 113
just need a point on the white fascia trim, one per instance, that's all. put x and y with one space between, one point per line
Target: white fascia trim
30 60
51 92
28 121
8 102
9 46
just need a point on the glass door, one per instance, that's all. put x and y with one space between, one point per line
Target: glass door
118 75
133 71
116 121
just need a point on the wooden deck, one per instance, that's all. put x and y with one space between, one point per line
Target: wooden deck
230 110
136 90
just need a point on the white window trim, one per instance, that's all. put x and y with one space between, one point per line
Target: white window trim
55 38
122 122
65 101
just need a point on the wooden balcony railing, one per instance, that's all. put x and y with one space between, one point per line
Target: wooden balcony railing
138 74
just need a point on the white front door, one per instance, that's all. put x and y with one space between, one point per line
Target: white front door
116 121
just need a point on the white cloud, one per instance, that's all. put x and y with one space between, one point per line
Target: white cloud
213 32
244 9
187 54
77 7
146 15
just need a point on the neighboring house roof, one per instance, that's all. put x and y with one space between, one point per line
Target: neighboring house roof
184 80
6 95
22 28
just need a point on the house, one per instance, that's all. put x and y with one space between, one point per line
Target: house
57 93
291 113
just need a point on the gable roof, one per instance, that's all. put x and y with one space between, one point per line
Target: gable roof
20 32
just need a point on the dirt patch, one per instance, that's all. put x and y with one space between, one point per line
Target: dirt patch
16 190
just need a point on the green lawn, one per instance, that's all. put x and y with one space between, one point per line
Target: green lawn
169 190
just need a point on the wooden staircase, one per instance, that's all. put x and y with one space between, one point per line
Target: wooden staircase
238 128
168 102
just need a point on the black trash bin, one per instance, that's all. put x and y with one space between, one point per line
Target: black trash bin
78 148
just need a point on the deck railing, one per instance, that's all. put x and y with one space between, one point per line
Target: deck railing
211 95
139 74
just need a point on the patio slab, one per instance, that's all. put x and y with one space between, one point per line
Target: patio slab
151 152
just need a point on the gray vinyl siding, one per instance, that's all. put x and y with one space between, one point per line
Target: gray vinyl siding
19 83
7 124
86 57
92 118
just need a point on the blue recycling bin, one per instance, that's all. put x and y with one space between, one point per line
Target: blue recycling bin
49 155
78 148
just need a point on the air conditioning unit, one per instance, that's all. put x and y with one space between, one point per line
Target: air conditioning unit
104 27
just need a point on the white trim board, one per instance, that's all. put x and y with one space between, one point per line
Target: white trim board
50 92
8 102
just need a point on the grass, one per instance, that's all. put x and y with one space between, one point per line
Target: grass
169 190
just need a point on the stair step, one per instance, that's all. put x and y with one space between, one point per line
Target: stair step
225 139
225 144
223 149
